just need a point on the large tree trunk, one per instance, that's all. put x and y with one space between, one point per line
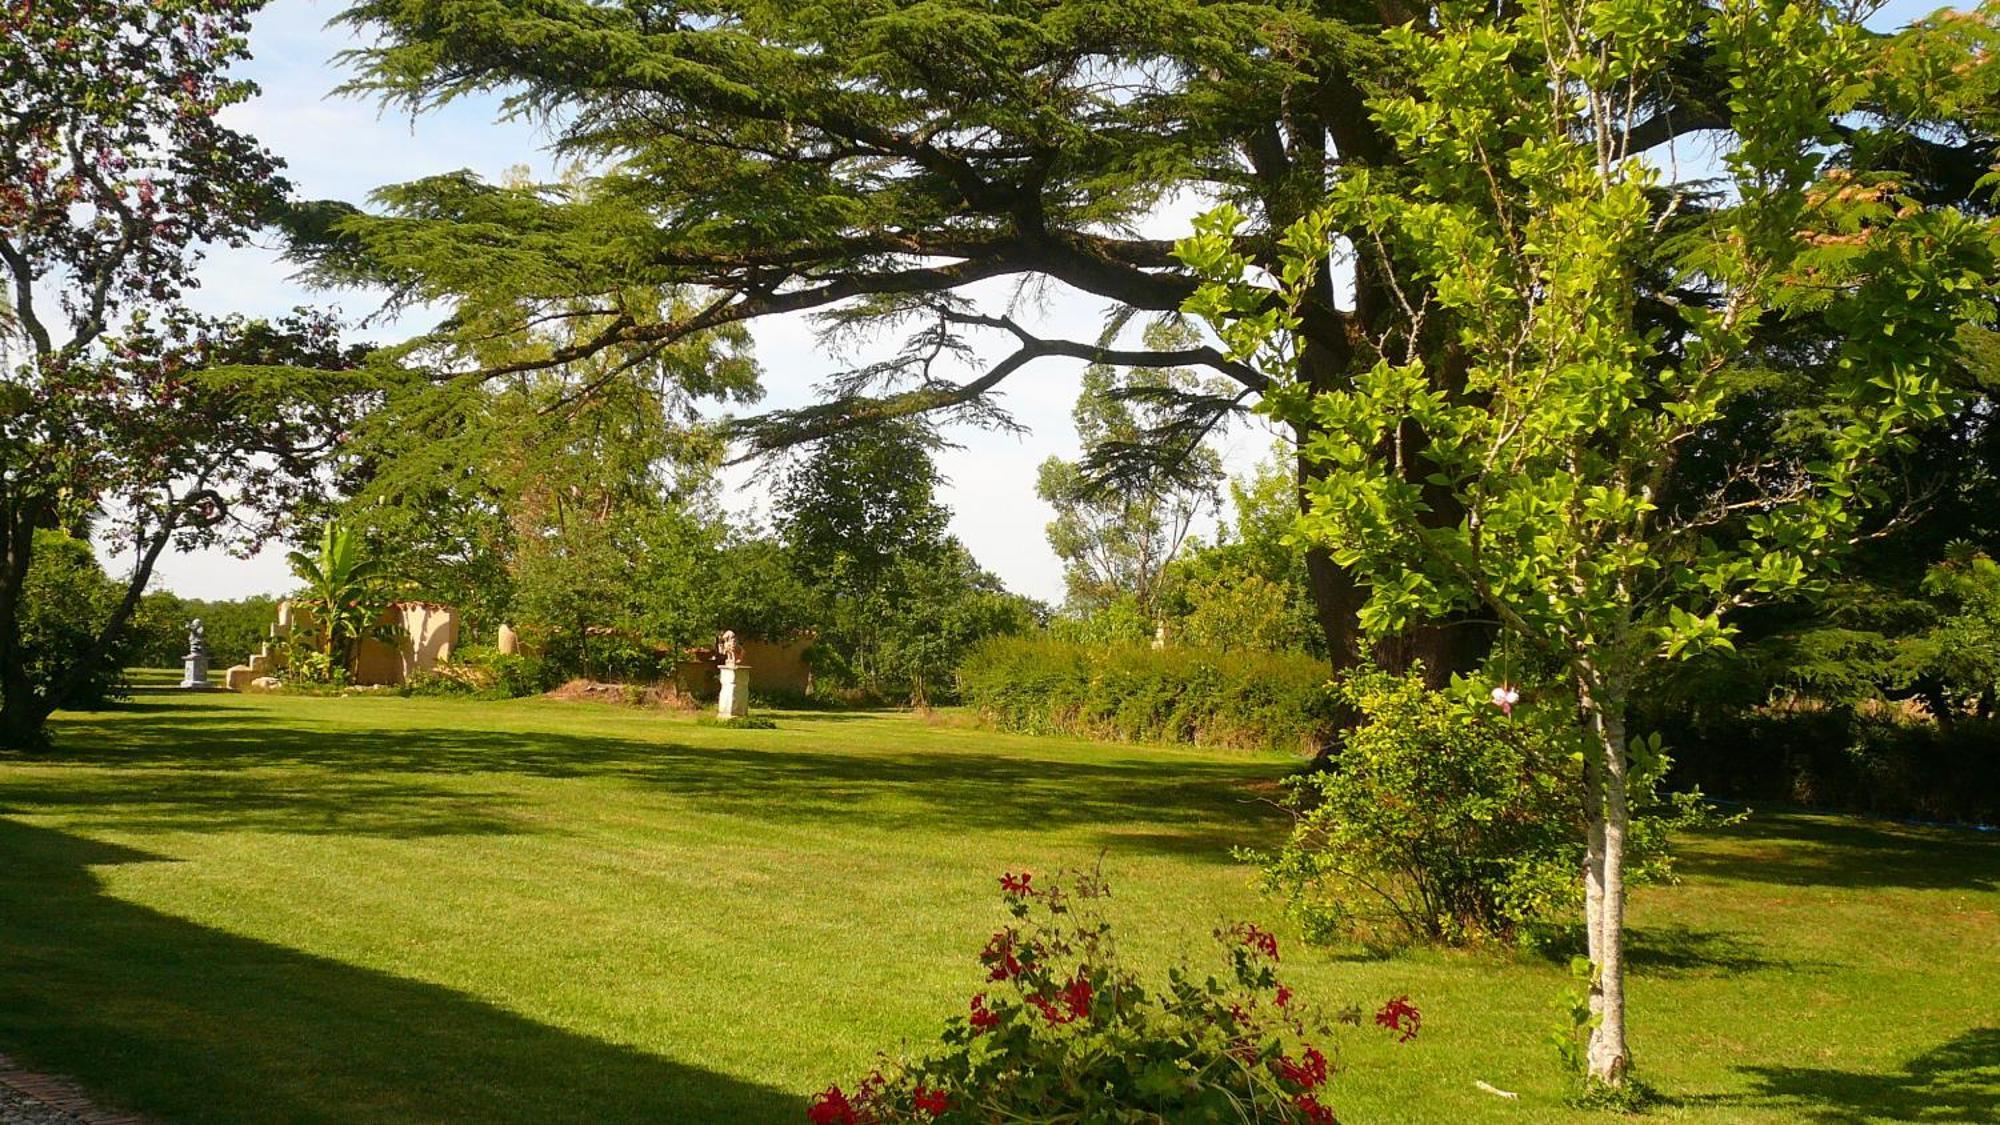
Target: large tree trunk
1329 356
21 711
1442 648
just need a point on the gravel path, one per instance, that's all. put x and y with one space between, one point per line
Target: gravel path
17 1108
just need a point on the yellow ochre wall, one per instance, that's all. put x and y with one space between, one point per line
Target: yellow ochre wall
426 633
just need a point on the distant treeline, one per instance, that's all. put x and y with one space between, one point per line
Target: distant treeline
234 629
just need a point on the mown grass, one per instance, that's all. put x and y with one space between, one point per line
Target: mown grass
270 908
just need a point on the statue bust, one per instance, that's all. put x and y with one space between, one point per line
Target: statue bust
727 648
197 637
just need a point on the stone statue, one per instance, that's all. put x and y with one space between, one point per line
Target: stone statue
733 699
195 674
727 648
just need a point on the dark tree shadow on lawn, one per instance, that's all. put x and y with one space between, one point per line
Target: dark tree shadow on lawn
1188 808
187 1023
1797 850
1677 951
1957 1081
266 801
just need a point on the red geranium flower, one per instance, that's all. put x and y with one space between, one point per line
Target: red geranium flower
1315 1112
831 1107
1402 1017
933 1102
1309 1072
1013 884
981 1019
1284 996
1077 996
1259 939
999 953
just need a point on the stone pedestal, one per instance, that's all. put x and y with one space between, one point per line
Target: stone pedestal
733 702
508 642
194 673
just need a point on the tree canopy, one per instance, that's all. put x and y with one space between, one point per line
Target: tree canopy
1116 539
871 163
1604 345
116 172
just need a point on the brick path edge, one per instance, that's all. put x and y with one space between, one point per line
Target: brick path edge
61 1095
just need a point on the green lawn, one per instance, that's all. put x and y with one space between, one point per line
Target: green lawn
375 909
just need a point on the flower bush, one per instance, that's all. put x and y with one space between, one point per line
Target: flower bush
1448 816
1063 1032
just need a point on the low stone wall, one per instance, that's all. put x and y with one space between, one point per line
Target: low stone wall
778 666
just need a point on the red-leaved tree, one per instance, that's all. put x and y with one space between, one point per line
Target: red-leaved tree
115 172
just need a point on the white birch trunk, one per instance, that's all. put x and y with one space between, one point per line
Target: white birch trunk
1608 1055
1593 871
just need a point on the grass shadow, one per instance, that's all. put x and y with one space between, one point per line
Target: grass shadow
225 762
1678 951
267 801
189 1023
1956 1081
1798 850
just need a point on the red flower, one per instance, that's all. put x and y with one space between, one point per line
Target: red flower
1259 939
1049 1011
1079 995
1013 884
1402 1017
1315 1112
999 953
933 1102
1309 1072
1284 996
1075 997
981 1019
831 1107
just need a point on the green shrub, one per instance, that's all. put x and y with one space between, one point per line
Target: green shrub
440 682
484 673
1135 693
1442 818
517 674
64 602
307 663
739 722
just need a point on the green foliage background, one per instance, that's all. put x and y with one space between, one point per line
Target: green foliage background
1136 693
64 600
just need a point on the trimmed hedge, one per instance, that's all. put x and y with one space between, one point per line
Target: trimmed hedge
1135 693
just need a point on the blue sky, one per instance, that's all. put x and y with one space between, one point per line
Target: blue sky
344 147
